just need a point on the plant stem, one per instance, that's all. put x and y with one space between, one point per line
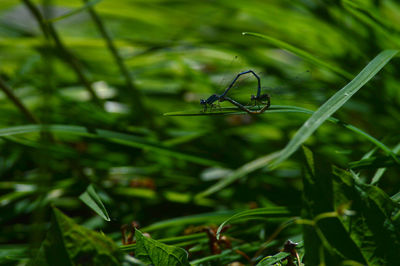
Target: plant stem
10 94
118 59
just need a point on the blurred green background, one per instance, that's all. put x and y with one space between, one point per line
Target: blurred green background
168 55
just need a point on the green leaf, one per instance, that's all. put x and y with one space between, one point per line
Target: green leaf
301 53
334 103
158 254
328 234
67 243
91 199
371 226
271 260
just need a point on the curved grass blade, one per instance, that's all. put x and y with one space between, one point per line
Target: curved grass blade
73 12
265 160
91 199
334 103
212 217
267 212
301 53
113 136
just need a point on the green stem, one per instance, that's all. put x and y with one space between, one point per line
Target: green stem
118 59
8 91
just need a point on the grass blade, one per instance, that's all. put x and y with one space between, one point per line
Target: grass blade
334 103
91 199
301 53
117 137
249 214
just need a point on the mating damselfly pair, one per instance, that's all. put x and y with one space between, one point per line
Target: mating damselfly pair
255 99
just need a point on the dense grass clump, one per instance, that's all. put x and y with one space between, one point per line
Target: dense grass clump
107 156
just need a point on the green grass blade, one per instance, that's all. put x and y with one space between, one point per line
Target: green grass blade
117 137
91 199
373 19
212 217
301 53
334 103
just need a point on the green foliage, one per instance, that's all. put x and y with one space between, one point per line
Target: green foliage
153 252
84 84
67 243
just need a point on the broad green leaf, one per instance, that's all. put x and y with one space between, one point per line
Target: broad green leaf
334 103
301 53
117 137
91 199
67 243
371 227
272 260
267 212
329 232
158 254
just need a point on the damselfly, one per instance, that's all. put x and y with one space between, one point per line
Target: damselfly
258 98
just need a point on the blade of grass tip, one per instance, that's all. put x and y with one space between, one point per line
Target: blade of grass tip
301 53
91 199
267 212
334 103
73 12
379 173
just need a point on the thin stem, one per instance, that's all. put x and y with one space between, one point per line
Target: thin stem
49 31
10 94
118 59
